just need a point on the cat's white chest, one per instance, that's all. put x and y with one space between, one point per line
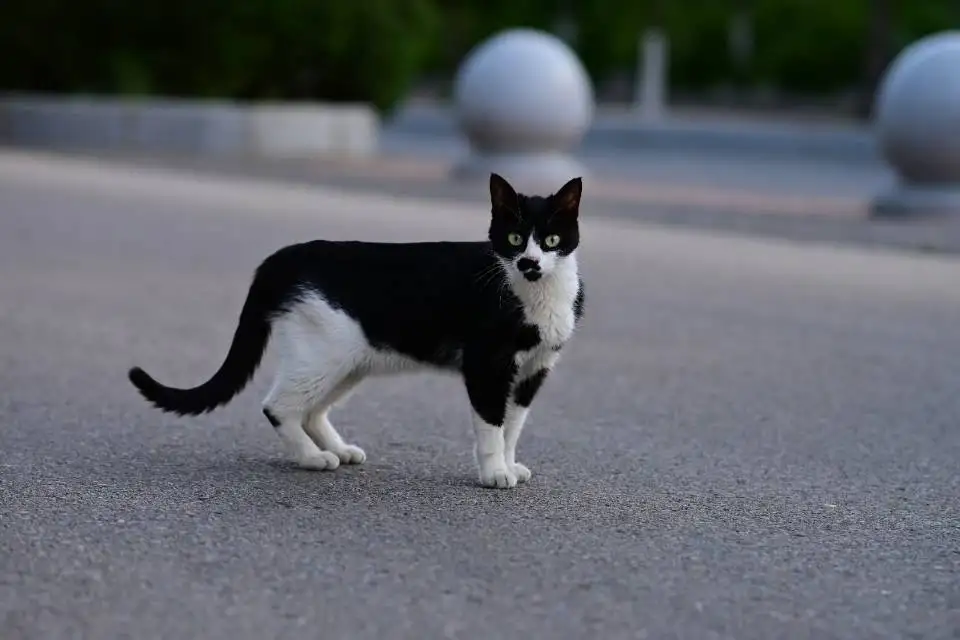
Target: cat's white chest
549 306
553 318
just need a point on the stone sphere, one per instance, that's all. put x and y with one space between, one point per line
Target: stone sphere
523 91
917 115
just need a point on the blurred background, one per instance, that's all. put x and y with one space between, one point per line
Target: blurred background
753 436
814 54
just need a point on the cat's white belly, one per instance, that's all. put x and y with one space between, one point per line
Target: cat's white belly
316 337
384 363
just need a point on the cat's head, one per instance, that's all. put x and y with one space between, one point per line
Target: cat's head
533 235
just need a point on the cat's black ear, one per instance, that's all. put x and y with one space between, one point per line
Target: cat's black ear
502 195
567 199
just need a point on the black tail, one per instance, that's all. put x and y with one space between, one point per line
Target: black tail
265 300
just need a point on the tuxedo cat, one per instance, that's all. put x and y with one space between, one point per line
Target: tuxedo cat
496 312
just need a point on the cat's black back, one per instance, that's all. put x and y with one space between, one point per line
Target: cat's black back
425 300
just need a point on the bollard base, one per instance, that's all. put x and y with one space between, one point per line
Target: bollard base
538 173
911 200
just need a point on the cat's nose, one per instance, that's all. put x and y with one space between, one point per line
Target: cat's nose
528 264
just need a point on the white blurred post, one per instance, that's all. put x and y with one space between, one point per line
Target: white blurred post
651 90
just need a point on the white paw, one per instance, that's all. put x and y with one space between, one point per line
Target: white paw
320 461
350 454
498 477
521 471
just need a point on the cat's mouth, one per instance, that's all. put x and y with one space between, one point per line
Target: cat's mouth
532 276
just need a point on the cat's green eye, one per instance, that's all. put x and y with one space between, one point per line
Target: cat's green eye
552 240
515 239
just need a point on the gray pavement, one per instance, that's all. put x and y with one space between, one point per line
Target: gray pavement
749 439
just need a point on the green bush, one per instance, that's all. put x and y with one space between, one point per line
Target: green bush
810 47
374 50
366 50
803 46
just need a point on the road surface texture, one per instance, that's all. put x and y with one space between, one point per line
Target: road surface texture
748 439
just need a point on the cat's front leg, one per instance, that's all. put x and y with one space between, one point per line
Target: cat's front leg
530 379
512 426
496 443
489 455
488 385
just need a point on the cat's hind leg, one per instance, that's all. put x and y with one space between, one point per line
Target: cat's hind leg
323 433
286 407
319 347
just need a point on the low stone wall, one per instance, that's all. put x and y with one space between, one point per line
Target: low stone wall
280 130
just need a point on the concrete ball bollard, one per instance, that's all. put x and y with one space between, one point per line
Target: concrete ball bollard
917 124
524 101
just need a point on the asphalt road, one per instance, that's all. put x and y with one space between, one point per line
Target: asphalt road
749 438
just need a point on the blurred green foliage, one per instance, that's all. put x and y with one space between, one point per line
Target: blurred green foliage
360 50
375 50
798 45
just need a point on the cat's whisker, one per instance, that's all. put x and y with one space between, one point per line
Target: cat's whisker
492 267
488 274
492 272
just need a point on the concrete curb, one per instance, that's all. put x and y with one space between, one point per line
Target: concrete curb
274 130
837 143
796 141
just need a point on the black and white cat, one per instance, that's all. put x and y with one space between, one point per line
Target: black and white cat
495 312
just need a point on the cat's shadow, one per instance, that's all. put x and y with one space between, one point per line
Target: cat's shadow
157 468
381 475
